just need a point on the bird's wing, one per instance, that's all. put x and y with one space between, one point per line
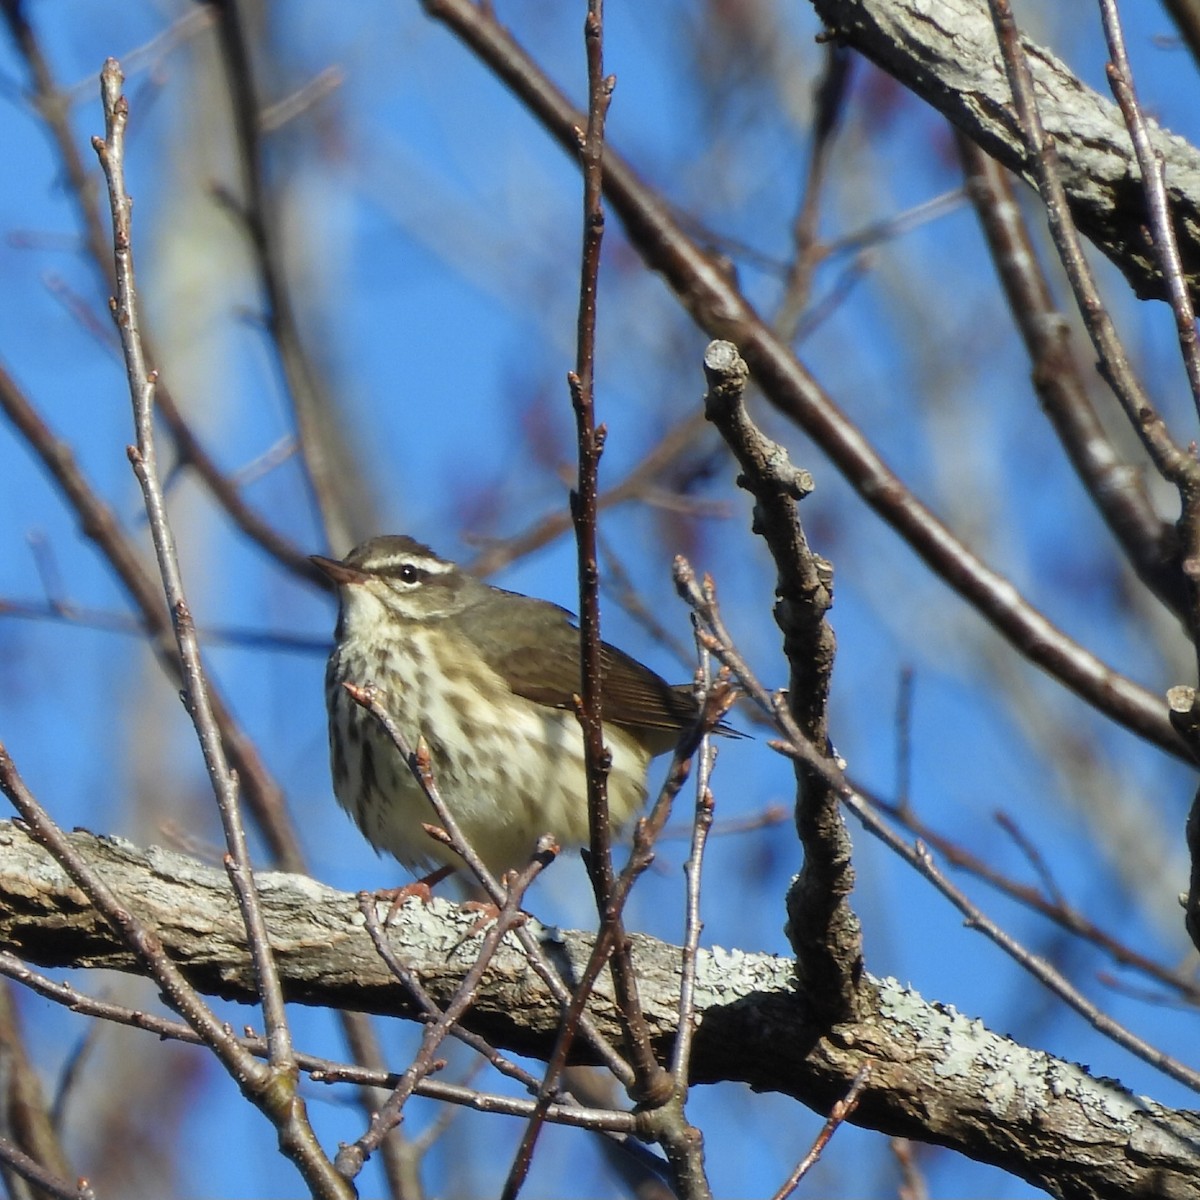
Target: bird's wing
538 656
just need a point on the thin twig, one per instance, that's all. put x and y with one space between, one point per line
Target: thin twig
1114 486
794 744
151 54
653 465
111 151
1034 857
100 524
252 1077
107 621
417 759
412 982
653 1086
1166 246
904 719
352 1156
855 245
828 103
322 1070
275 1090
584 502
54 105
664 1120
324 83
840 1111
1169 458
45 1181
693 925
1064 915
766 818
318 435
650 1083
912 1182
30 1122
1166 249
591 446
418 764
719 307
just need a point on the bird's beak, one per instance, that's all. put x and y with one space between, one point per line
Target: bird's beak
338 571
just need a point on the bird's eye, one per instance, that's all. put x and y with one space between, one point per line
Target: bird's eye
409 573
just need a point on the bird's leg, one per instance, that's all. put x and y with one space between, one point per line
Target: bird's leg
421 888
488 911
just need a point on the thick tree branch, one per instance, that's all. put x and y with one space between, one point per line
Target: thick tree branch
935 1075
945 51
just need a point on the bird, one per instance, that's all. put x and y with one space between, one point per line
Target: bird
487 678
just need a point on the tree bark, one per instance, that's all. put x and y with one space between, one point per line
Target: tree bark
946 52
935 1075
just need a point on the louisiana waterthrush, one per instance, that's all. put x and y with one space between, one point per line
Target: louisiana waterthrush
487 677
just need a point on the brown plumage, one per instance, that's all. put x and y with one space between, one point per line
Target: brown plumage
487 677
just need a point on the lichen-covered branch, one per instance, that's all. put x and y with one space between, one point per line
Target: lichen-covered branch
935 1075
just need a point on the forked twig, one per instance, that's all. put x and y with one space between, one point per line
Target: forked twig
352 1156
369 699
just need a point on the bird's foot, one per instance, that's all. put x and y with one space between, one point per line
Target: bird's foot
421 888
488 912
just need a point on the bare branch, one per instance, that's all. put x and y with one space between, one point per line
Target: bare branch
823 928
274 1091
351 1157
1114 486
101 525
945 51
702 821
46 1181
111 151
840 1111
324 1070
717 305
1150 161
28 1123
1170 460
54 106
316 426
830 99
1071 1130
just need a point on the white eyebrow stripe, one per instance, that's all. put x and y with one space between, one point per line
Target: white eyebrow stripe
430 566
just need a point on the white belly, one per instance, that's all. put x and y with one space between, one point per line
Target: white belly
533 755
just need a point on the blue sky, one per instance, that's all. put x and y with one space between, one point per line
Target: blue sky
434 233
